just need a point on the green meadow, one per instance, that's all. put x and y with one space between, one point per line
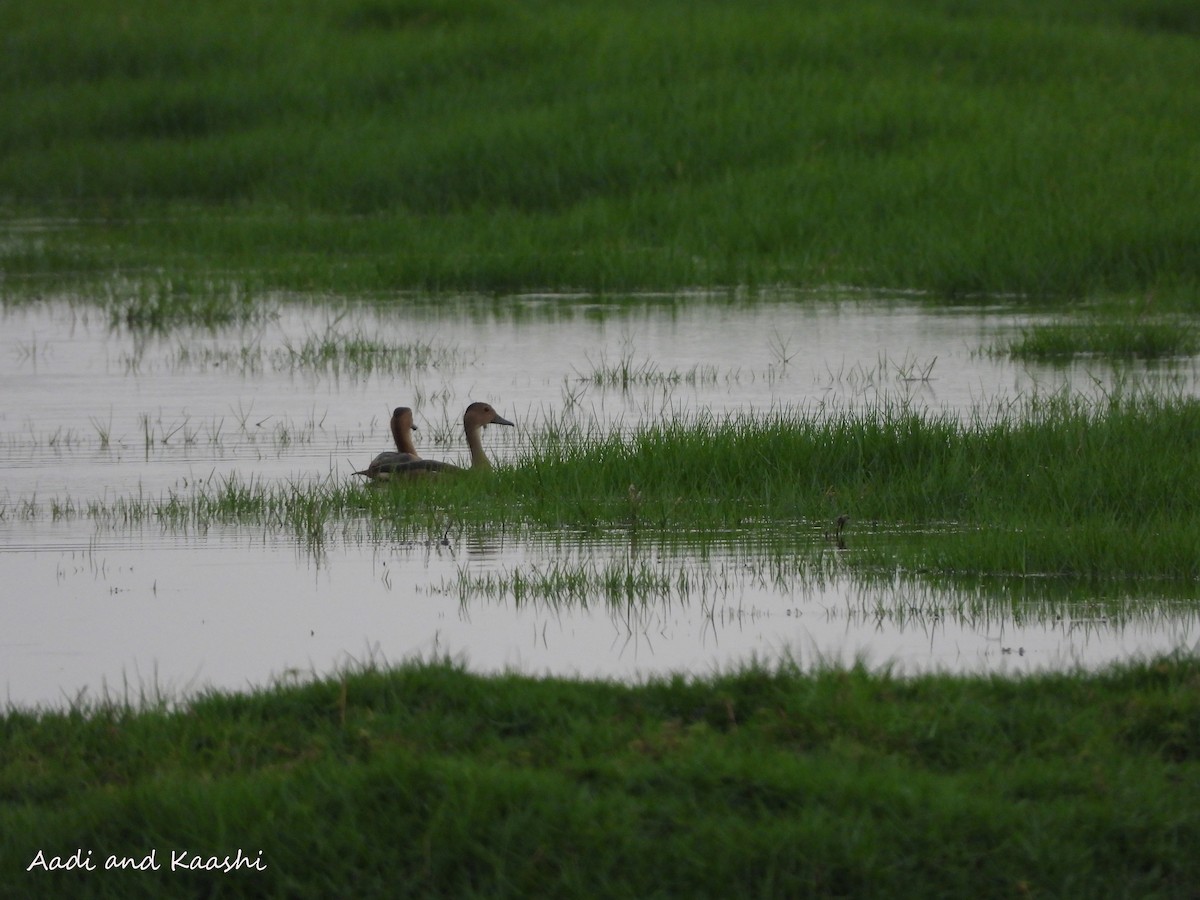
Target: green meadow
1034 148
197 164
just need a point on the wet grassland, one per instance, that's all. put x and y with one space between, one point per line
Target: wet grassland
1042 487
774 778
180 166
1040 148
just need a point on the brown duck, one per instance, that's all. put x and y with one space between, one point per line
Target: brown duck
385 463
477 417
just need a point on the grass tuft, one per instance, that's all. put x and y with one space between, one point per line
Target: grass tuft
1142 339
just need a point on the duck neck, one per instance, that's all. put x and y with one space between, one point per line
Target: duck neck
402 435
479 459
405 443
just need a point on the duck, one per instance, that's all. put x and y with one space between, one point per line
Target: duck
477 417
402 426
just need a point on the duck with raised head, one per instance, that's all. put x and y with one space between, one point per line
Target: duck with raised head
385 463
477 417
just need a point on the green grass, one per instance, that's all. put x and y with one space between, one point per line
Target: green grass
768 781
161 304
1040 148
1053 486
625 374
1063 341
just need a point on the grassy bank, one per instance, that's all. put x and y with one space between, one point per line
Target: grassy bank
376 144
428 781
1051 486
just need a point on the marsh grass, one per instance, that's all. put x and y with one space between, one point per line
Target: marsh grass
1038 148
334 352
616 584
1053 486
1064 341
626 374
997 603
769 780
1057 486
738 578
157 433
161 304
360 354
864 377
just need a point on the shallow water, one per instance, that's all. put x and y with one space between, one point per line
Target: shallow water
93 411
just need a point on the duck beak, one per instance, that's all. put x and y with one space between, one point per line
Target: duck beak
500 420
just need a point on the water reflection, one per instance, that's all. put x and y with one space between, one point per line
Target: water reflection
97 413
235 606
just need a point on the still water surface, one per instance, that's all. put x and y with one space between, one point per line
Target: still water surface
97 412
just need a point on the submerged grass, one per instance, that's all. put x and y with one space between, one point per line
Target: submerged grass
625 374
736 580
1034 147
161 304
355 354
617 585
768 781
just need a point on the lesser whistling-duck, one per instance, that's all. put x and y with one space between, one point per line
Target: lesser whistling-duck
402 428
477 417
